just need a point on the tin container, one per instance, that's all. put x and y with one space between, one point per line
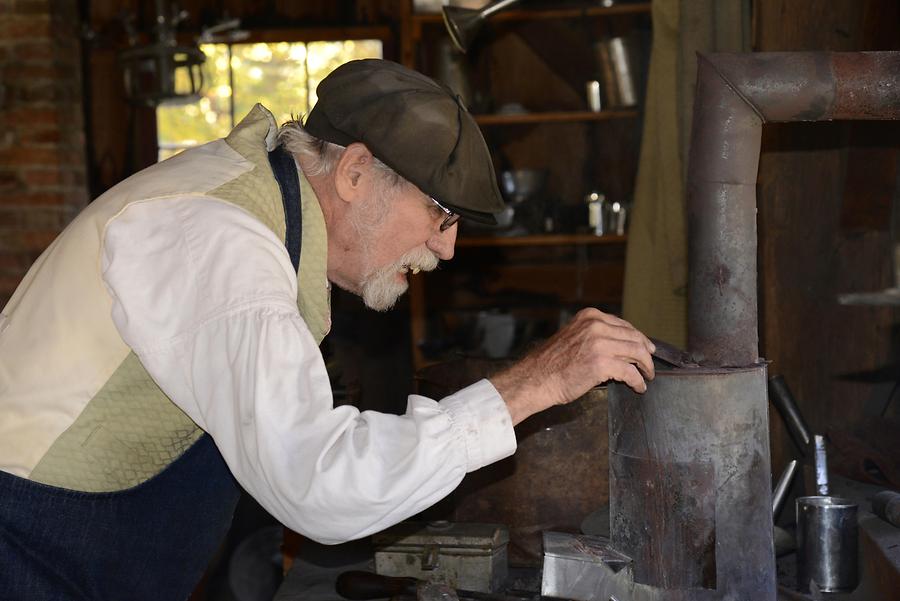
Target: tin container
690 484
427 6
827 544
467 556
598 213
619 64
583 568
594 99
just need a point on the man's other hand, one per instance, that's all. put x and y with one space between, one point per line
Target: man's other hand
592 348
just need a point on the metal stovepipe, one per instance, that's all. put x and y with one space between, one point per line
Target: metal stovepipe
690 494
736 95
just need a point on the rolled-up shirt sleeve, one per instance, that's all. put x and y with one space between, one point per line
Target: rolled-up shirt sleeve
206 297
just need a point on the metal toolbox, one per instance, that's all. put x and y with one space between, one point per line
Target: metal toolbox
466 556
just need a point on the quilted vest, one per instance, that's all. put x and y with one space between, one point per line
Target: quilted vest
59 338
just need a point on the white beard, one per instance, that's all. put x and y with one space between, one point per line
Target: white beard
382 288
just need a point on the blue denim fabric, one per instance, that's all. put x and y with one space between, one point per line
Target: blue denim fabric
285 171
149 542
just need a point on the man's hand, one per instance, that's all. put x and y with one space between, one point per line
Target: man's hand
592 348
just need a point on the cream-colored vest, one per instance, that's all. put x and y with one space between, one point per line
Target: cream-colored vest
79 410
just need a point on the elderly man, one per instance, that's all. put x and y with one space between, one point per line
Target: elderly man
166 345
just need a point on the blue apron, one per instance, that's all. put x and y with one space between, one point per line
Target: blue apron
152 541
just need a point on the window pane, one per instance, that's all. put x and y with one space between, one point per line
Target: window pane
271 74
190 124
325 57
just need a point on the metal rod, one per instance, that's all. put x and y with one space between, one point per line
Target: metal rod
781 489
821 466
781 397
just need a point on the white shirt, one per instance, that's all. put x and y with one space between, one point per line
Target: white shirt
206 297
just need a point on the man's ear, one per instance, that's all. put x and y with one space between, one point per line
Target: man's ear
353 173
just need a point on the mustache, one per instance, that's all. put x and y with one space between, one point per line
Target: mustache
420 258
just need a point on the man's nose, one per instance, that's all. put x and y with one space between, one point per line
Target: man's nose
443 243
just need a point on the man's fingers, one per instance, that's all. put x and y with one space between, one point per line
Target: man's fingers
613 327
637 335
632 378
615 320
629 352
644 361
603 347
646 368
626 367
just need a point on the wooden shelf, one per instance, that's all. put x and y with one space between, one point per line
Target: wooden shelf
553 117
572 268
418 21
571 12
275 35
540 240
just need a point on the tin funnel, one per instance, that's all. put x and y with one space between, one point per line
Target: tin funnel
463 23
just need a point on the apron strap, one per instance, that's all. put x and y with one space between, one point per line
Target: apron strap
285 170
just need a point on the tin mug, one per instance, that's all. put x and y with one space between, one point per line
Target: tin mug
593 96
827 544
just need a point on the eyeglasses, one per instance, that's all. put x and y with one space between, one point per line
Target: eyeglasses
451 217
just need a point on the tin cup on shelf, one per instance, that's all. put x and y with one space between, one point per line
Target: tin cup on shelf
594 101
598 213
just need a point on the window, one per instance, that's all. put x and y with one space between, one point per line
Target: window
282 76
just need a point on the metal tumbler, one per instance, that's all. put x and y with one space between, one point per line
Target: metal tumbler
827 542
594 100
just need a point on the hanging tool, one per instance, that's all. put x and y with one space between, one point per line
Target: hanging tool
781 489
781 397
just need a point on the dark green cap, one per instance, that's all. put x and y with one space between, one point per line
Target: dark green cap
415 126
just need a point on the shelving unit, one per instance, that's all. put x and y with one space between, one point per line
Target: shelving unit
414 22
525 56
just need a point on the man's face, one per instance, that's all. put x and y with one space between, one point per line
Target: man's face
398 236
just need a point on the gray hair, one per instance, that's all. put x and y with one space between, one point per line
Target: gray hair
322 157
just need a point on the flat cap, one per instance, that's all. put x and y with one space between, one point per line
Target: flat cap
414 125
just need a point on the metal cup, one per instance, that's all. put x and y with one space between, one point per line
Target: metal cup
593 96
827 541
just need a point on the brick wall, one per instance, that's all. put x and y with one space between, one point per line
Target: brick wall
42 151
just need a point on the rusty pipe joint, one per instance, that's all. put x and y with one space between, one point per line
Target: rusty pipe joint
736 95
